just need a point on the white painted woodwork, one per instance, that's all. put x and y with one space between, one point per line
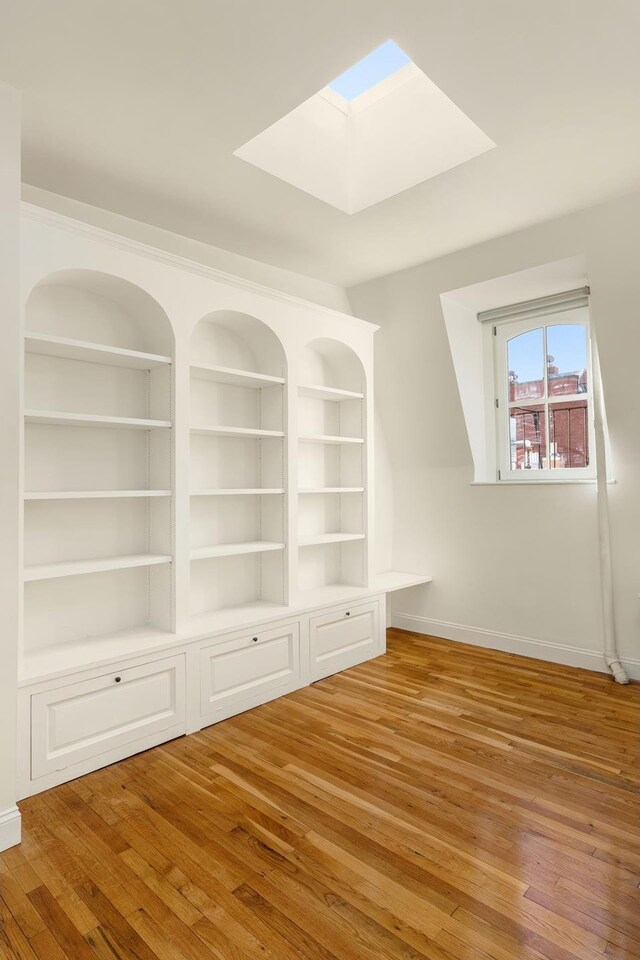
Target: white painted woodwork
245 671
52 346
85 719
92 494
71 568
234 549
342 638
328 393
61 418
198 471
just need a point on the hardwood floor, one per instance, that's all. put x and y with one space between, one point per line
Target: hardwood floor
441 802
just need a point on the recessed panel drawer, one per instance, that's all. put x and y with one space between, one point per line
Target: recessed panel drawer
343 638
246 671
82 720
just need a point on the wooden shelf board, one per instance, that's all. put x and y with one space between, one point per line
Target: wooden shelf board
322 438
234 549
72 568
241 378
61 418
238 492
50 345
93 494
249 432
331 490
321 538
318 392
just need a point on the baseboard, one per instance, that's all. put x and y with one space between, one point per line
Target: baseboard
508 643
9 828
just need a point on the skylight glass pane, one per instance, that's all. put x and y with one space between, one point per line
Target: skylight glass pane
375 67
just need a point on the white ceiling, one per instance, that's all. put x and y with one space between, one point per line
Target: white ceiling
136 106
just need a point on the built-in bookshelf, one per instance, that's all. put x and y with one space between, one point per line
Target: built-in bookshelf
332 523
98 462
238 465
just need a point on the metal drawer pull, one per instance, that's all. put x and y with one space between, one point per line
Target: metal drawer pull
118 679
255 639
348 613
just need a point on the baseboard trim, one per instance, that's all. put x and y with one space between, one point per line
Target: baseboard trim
10 828
509 643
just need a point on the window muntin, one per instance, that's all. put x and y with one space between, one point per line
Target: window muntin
544 403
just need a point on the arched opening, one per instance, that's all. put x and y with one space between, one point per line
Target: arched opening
331 466
238 441
98 481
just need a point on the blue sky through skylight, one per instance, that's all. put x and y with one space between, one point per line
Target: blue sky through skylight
376 66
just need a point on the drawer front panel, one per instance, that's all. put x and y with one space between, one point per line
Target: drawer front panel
343 638
248 670
83 720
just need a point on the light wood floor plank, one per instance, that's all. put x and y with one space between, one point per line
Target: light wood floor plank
442 802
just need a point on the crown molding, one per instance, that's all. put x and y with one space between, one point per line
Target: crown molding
59 221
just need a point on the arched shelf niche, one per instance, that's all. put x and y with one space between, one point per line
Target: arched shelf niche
332 477
98 464
238 462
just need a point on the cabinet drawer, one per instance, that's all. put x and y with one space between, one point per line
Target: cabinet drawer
83 720
246 671
344 637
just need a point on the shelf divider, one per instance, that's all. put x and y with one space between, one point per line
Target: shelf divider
72 568
62 418
50 345
234 549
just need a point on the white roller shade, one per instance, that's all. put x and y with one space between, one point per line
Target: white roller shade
556 303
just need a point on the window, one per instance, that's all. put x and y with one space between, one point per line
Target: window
543 389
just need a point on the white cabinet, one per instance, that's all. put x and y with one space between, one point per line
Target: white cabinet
344 637
84 720
248 670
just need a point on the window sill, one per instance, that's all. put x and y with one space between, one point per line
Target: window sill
534 483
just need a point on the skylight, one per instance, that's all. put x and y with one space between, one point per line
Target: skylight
379 128
370 71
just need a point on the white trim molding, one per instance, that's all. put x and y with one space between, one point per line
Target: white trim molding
82 229
508 643
10 828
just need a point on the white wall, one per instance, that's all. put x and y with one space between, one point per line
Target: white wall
9 462
509 562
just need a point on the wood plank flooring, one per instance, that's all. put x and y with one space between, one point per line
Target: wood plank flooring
441 802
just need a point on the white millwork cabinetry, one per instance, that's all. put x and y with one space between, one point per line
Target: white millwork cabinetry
197 509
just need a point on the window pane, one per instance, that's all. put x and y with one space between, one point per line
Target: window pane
527 433
526 365
568 434
567 359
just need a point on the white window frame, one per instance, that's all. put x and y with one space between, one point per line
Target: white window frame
502 332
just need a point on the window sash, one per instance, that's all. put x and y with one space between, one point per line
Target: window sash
505 330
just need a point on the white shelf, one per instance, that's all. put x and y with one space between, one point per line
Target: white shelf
249 432
92 651
72 568
328 393
331 490
60 418
238 492
241 378
396 580
321 438
234 549
320 538
53 346
93 494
